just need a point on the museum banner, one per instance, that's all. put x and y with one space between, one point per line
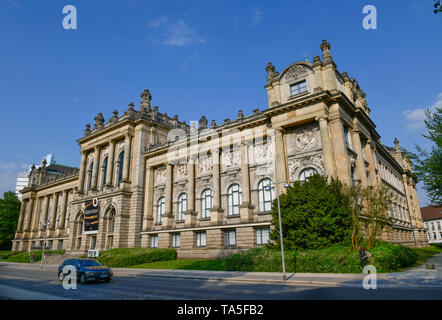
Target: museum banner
91 214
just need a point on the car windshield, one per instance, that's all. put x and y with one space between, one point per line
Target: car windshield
89 263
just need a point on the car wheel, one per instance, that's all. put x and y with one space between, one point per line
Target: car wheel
107 280
61 276
82 279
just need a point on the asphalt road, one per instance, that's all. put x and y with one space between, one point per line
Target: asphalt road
31 284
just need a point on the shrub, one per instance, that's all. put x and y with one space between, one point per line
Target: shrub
123 257
335 259
24 256
315 214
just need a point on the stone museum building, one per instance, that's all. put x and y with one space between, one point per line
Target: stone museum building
150 180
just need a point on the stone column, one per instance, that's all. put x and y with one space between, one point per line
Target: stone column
342 161
22 214
168 193
148 199
190 214
360 164
54 211
246 207
61 223
36 219
279 156
29 215
45 213
82 172
216 179
327 147
371 163
216 211
126 164
110 163
95 168
191 185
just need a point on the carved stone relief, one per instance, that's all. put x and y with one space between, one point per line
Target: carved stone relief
160 175
296 165
303 139
205 165
231 159
181 171
295 72
262 153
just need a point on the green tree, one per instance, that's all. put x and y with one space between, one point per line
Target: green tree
437 6
376 202
9 213
355 205
428 165
315 214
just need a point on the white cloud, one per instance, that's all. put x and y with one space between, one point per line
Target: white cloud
158 22
175 33
257 16
415 118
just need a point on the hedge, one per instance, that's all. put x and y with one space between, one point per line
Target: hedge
336 259
24 256
123 257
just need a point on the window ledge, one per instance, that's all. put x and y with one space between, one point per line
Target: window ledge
234 216
298 95
264 213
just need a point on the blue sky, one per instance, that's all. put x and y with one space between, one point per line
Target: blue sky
199 57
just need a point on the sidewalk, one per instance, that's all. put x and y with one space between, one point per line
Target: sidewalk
416 277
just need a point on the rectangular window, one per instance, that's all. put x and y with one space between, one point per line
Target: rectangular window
110 242
298 88
230 238
154 241
176 240
262 235
93 242
201 239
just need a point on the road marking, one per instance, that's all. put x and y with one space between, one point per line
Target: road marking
21 294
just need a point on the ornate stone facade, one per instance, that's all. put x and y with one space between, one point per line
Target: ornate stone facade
153 188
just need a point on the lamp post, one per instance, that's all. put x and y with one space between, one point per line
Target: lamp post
279 206
46 223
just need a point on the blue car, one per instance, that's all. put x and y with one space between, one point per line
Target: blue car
87 270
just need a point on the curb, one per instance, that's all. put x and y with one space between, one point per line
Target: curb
287 282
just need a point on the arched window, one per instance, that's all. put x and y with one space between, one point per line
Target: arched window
103 178
80 225
265 194
307 173
111 221
89 176
161 207
234 199
120 164
182 206
206 203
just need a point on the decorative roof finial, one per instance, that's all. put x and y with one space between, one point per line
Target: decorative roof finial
326 55
271 71
145 102
213 124
99 121
202 123
240 115
114 117
87 131
396 142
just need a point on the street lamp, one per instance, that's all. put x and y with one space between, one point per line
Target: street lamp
279 206
44 242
